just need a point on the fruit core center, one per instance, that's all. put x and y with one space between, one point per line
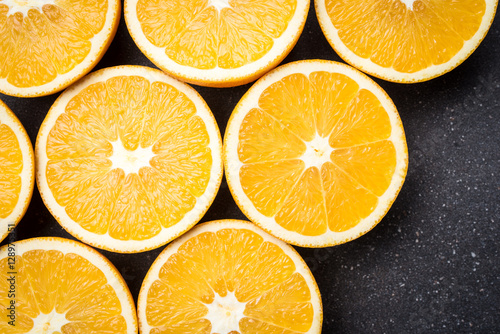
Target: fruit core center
225 313
220 4
130 161
408 3
23 6
49 323
318 152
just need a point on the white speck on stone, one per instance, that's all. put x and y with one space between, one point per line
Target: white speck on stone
473 254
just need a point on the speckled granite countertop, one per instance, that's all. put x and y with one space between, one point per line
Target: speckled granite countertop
432 264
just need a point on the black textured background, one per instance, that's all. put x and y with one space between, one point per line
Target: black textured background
432 264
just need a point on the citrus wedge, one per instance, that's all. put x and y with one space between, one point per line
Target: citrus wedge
17 171
229 276
216 43
405 40
128 159
55 285
315 153
45 45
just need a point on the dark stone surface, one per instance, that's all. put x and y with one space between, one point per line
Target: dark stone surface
432 264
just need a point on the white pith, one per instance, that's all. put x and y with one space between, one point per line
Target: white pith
166 234
67 246
23 6
99 42
233 163
408 3
219 4
49 323
225 313
8 118
318 152
214 227
389 73
130 161
216 75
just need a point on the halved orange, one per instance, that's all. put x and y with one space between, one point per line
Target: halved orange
17 171
55 285
128 159
315 153
46 45
229 276
216 43
405 40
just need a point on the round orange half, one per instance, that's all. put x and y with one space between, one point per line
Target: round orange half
315 153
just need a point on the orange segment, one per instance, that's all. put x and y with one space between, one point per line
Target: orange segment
305 204
168 109
240 42
134 217
127 154
372 165
63 284
364 121
11 156
128 97
46 47
102 192
171 201
289 102
347 202
161 295
223 277
11 187
197 44
273 307
30 64
269 16
161 32
260 181
322 158
331 94
405 41
265 139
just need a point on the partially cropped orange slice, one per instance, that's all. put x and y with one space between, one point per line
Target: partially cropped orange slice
405 40
128 159
217 43
17 171
55 285
315 153
229 276
45 45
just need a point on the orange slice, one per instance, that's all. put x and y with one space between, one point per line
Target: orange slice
128 159
229 276
46 45
17 171
405 40
55 285
315 153
216 43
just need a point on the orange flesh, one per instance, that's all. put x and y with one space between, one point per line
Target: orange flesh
342 191
37 48
407 39
235 261
196 34
49 281
137 205
11 166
